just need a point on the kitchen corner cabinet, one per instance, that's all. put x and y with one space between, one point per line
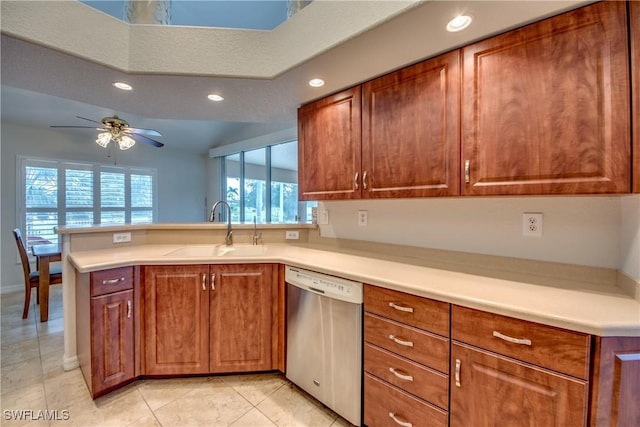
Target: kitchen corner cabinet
546 107
634 31
506 371
210 319
106 310
395 136
329 140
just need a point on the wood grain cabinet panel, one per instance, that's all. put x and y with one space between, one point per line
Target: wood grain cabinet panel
329 147
616 382
634 31
386 405
242 319
491 390
176 319
553 348
112 340
423 313
106 318
411 131
546 107
420 346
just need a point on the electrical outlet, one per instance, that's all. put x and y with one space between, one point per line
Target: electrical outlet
121 237
363 218
291 235
532 224
323 217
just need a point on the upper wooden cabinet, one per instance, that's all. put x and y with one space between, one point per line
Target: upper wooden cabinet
406 144
329 147
411 131
634 20
546 107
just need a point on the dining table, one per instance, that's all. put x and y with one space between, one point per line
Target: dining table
45 254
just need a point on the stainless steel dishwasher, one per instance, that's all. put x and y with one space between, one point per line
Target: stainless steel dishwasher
324 339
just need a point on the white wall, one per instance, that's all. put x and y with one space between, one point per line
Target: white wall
594 231
182 178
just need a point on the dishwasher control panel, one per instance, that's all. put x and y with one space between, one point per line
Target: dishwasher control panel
323 284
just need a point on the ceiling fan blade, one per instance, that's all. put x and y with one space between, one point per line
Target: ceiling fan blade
78 127
139 131
89 120
146 140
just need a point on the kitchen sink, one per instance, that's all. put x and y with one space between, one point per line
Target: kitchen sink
204 251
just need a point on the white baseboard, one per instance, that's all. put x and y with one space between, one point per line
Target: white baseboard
11 288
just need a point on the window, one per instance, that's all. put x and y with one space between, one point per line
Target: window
263 183
53 193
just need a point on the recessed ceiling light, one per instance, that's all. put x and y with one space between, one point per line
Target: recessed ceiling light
215 97
459 23
316 82
123 85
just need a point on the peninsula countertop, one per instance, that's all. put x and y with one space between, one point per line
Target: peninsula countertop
598 310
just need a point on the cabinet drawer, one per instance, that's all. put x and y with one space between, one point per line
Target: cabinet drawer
383 401
409 376
113 280
423 313
422 347
553 348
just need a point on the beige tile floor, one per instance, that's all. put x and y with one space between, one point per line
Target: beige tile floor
34 382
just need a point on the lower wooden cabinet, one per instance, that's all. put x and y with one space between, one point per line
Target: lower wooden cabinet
210 319
105 314
490 390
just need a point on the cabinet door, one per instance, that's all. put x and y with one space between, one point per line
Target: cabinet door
411 131
546 107
634 21
112 342
242 325
176 316
490 390
329 144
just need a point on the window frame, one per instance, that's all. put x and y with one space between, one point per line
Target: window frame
61 208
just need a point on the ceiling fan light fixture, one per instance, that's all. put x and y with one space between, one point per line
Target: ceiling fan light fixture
103 139
123 85
125 142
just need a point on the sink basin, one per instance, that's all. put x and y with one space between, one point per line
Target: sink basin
206 251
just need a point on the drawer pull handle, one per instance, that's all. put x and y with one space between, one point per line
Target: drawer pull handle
467 172
213 282
401 342
457 374
401 376
402 423
355 181
401 308
128 309
113 281
522 341
204 282
364 180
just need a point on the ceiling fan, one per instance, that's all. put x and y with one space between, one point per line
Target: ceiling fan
118 130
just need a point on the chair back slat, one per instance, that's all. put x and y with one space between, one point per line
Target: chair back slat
26 267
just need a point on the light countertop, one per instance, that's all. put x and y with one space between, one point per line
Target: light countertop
603 311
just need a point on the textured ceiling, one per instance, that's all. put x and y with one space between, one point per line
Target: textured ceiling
46 82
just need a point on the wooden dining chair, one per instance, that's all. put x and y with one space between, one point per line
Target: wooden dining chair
32 278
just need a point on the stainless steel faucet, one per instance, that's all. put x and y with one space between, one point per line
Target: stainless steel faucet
228 240
256 236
